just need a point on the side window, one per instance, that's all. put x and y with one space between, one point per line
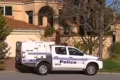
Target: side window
73 51
61 50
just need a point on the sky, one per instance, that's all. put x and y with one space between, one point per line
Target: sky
109 1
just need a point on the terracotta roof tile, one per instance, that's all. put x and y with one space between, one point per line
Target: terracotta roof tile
116 22
23 0
15 0
21 25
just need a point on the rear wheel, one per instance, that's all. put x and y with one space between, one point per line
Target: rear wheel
42 69
91 69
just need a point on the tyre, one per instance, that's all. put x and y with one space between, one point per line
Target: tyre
42 69
91 69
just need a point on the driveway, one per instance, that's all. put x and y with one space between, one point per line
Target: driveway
54 76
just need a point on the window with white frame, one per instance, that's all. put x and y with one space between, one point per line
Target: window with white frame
6 10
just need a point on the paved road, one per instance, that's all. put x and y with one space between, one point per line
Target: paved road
30 76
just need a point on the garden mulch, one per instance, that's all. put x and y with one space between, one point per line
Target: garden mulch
10 64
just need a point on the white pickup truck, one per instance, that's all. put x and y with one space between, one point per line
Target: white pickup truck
46 56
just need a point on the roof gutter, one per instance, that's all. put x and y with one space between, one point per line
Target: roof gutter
27 32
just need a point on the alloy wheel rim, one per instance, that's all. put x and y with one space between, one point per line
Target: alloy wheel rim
91 70
43 69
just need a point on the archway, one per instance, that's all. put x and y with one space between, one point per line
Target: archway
46 15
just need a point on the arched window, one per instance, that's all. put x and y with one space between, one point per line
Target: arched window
46 13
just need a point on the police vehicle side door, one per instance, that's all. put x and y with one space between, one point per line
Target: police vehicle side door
59 57
76 56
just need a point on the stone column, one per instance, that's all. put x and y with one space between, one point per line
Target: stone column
35 19
44 21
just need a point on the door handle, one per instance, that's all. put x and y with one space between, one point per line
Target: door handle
70 57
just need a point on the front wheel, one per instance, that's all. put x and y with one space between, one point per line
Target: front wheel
91 69
42 69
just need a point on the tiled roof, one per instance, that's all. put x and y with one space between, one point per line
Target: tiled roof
23 0
20 25
116 22
15 0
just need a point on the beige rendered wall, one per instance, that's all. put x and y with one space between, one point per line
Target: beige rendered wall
25 36
17 10
28 7
116 28
20 8
20 36
36 6
39 5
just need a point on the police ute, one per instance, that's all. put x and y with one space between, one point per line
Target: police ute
46 56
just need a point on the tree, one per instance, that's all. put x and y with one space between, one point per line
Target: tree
93 16
4 32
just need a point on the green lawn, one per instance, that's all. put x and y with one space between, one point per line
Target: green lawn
111 65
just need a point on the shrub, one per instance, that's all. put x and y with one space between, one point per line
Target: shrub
49 31
81 46
4 32
115 49
2 64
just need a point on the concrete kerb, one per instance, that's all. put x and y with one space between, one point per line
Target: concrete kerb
108 73
10 71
